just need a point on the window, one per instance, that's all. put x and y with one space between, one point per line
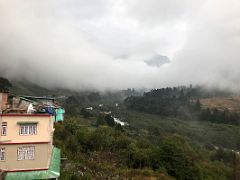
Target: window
28 129
4 129
26 153
2 154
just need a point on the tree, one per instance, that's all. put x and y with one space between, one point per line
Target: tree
101 138
109 120
118 127
198 105
100 120
176 157
85 113
4 84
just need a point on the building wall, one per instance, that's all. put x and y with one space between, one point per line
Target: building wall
44 129
3 101
41 160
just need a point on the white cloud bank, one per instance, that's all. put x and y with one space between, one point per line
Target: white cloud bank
103 44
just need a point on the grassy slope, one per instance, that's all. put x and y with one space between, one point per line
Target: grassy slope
223 135
222 103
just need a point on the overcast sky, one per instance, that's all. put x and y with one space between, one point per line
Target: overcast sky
103 44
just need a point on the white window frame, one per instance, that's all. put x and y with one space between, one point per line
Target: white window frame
26 153
4 129
28 129
2 154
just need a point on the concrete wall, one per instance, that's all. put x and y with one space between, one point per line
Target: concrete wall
42 157
3 101
44 129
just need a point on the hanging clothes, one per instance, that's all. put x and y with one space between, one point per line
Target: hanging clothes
60 114
30 109
51 110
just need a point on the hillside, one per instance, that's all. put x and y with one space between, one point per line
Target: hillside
163 138
153 126
222 103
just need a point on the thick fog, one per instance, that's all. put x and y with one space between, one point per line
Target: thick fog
105 44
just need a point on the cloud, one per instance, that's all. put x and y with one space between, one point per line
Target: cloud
157 60
155 12
210 55
102 44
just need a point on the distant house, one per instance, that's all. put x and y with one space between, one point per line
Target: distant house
89 108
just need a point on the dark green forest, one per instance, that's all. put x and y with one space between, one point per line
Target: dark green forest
183 103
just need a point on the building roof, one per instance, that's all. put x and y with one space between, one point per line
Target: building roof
39 97
52 172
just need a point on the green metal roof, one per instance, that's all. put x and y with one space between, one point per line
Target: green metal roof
27 122
54 168
52 172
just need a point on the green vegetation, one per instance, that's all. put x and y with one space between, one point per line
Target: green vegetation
169 135
5 85
200 133
107 152
180 102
